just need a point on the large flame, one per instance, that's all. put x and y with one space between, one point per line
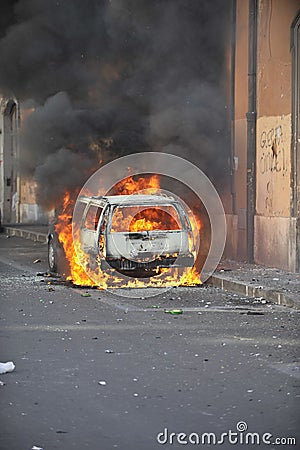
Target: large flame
145 218
63 228
138 218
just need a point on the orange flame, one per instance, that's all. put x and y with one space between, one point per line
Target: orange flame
63 228
130 185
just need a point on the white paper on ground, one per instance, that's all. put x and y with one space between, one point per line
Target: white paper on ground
7 367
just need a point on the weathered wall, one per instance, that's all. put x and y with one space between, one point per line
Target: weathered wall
9 124
30 211
273 166
275 237
274 243
236 244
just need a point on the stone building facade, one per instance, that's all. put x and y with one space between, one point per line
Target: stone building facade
263 223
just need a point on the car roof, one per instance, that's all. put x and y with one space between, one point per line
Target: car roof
135 199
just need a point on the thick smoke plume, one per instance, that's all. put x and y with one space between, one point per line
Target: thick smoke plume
107 78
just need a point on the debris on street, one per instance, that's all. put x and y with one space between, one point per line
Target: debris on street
7 367
102 383
173 311
85 294
36 261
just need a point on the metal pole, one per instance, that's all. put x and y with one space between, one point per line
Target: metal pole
251 128
232 107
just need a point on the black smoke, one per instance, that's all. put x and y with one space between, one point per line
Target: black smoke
112 77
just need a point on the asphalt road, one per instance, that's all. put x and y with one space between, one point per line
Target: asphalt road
107 371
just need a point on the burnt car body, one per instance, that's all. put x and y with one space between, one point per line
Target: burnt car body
130 233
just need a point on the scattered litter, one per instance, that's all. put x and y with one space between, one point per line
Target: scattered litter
109 351
173 311
61 432
275 279
7 367
36 448
1 383
94 337
36 261
154 306
102 383
250 390
85 294
255 313
135 394
51 289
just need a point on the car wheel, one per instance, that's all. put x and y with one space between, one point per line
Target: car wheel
52 256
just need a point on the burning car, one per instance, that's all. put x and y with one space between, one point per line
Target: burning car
134 234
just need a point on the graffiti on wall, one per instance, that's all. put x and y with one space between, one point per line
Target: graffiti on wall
273 166
273 157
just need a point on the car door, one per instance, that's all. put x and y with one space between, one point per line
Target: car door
88 232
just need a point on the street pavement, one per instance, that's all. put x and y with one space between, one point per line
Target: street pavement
103 370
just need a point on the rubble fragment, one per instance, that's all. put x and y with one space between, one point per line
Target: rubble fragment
173 311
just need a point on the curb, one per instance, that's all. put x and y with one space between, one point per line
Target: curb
239 287
27 234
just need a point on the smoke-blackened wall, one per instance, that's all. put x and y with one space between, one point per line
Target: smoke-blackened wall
108 78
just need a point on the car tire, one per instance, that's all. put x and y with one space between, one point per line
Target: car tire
52 256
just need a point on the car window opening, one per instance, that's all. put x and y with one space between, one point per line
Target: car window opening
92 218
141 218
